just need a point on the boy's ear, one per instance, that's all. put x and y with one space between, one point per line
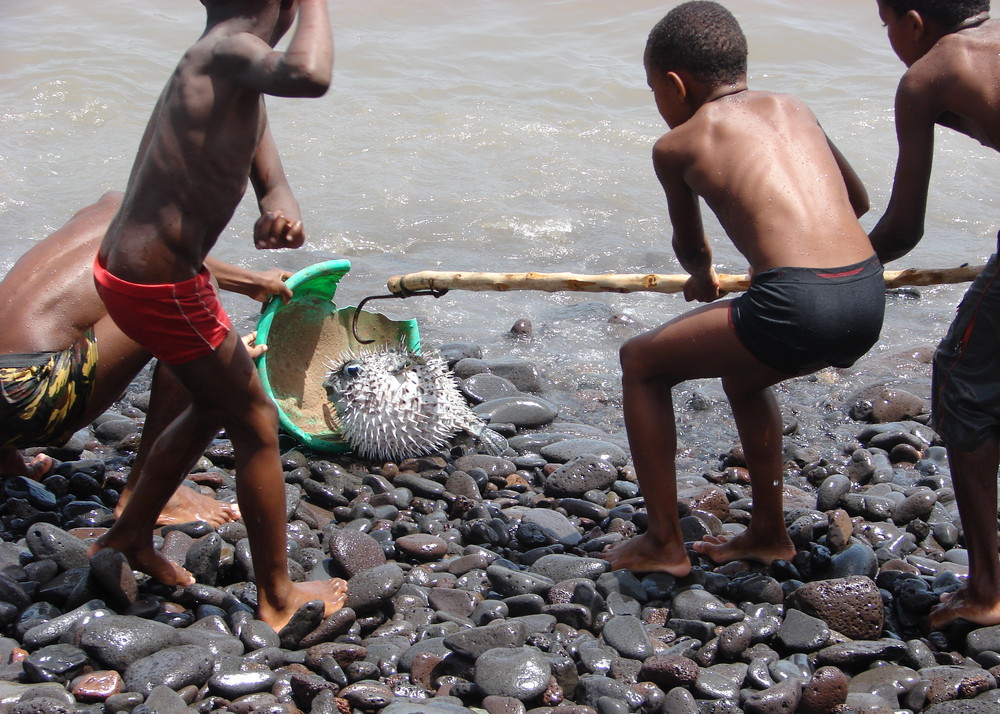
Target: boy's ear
678 84
915 24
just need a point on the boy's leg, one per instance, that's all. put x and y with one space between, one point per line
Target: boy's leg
120 360
698 344
758 420
168 400
153 486
974 479
225 388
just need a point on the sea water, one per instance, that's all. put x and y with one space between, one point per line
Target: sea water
476 135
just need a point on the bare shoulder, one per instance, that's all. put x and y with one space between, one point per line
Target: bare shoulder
970 56
775 103
238 48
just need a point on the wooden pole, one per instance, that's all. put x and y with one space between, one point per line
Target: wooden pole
634 282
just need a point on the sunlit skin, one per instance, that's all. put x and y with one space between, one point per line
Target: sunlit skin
950 81
207 136
786 197
54 278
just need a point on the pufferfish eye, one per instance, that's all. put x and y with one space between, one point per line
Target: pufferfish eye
351 369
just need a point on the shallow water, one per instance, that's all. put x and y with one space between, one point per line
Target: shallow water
493 135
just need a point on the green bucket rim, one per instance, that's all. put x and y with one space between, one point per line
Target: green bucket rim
317 280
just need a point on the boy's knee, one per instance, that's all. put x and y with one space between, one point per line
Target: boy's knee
638 364
629 353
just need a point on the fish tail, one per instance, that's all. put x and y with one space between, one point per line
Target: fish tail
493 443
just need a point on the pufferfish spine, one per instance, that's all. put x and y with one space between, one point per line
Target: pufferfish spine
393 403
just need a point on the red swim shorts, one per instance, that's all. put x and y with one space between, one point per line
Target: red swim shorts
176 322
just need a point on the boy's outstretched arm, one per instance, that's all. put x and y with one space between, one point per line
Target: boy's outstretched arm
689 241
902 226
303 70
258 286
280 222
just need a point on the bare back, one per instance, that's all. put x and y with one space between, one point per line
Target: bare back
190 173
48 299
765 167
208 137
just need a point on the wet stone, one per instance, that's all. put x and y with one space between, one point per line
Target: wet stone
851 606
422 546
950 682
558 567
720 681
627 635
800 632
174 667
117 641
45 540
367 695
523 411
569 449
485 386
579 475
697 604
368 590
781 697
55 663
233 685
354 552
97 686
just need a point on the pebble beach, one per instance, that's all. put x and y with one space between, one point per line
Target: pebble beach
501 136
474 582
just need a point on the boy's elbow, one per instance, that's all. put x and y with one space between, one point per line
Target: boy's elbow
309 76
893 246
311 83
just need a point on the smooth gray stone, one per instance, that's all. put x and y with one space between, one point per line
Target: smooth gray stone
372 588
522 672
49 632
45 540
509 582
523 411
117 641
560 566
569 449
628 636
697 604
174 667
473 642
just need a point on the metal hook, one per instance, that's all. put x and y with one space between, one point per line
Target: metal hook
433 292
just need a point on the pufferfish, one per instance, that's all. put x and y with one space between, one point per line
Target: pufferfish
393 403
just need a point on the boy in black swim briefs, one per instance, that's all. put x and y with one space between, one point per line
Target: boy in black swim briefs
794 319
790 203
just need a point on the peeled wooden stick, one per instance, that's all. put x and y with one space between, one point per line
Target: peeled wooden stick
631 282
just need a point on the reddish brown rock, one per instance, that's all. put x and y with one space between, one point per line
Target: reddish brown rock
97 686
824 693
710 499
852 606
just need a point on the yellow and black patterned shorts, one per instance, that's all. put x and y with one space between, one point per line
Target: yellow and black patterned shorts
44 395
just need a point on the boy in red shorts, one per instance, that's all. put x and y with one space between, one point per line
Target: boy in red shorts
207 134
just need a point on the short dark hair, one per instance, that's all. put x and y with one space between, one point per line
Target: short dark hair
947 13
703 38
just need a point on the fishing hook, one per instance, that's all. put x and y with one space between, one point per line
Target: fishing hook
433 292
